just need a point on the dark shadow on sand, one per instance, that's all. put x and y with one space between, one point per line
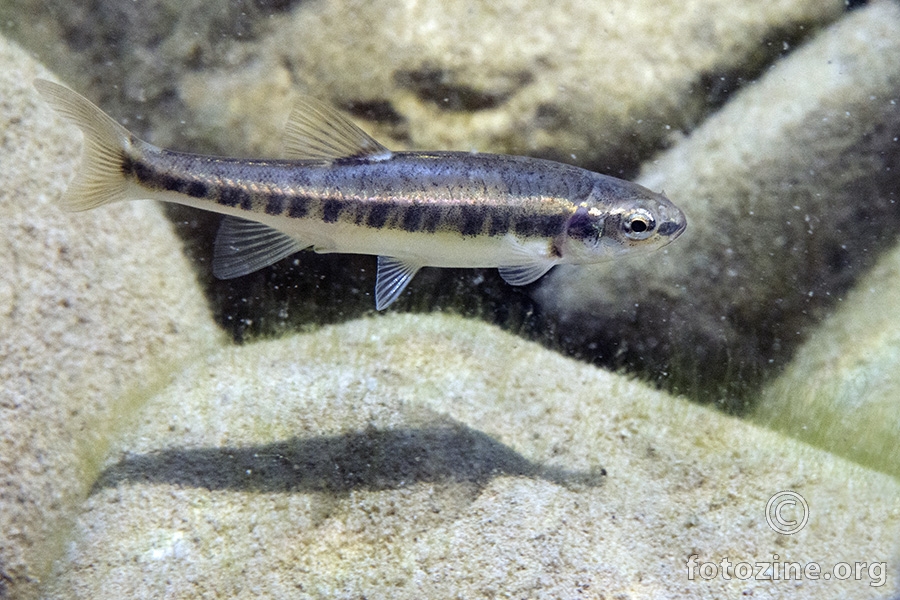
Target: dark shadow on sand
373 459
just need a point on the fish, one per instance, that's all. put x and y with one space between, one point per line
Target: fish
339 190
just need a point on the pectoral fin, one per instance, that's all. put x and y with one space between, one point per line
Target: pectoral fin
392 278
525 274
243 247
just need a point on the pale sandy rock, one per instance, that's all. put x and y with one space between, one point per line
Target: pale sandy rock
414 456
95 310
841 391
790 193
435 457
591 83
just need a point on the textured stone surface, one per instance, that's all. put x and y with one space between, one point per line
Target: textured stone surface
790 191
431 457
595 83
92 314
842 390
580 78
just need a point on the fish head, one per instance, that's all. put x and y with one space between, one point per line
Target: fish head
638 221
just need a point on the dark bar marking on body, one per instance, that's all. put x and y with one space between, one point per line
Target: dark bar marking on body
149 177
233 196
412 218
142 172
331 210
473 218
137 169
499 223
275 204
432 218
540 225
194 189
378 214
170 183
247 202
299 207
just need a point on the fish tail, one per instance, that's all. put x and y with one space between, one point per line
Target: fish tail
101 179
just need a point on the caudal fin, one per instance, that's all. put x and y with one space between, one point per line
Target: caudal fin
100 179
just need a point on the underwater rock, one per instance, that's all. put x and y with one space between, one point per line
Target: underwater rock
598 84
95 309
790 191
398 456
410 456
841 391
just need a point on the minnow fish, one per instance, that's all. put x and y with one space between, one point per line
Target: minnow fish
339 190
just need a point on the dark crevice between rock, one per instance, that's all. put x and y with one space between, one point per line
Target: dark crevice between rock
381 112
719 85
445 89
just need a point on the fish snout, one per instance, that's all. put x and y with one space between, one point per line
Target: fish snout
672 221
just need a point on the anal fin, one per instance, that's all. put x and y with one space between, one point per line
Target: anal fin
393 276
243 247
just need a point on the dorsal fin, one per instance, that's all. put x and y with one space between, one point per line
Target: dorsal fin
317 131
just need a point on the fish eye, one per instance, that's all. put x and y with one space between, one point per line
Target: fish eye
638 224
